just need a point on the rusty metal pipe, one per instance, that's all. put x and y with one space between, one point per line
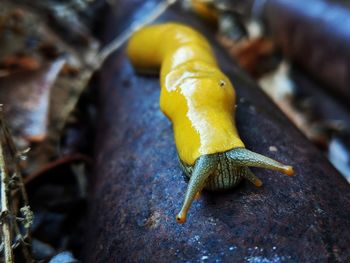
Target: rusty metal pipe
138 184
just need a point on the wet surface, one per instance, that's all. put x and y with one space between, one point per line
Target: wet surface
138 186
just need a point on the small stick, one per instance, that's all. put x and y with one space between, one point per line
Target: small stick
120 40
9 224
5 208
66 159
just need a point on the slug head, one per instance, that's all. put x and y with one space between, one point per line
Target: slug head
206 166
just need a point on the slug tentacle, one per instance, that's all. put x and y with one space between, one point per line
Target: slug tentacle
244 157
252 177
204 167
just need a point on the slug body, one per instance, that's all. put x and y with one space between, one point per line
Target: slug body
200 102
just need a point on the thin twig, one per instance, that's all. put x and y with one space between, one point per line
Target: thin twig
16 156
120 40
17 175
9 156
77 157
5 208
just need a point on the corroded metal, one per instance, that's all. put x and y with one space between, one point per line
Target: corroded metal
138 185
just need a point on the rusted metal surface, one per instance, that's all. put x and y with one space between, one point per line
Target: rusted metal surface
315 34
138 186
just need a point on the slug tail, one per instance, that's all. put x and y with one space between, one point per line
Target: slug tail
244 157
204 167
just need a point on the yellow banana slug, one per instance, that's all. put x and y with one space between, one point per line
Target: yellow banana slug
200 102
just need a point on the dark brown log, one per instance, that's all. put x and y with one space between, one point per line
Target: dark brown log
138 186
316 35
